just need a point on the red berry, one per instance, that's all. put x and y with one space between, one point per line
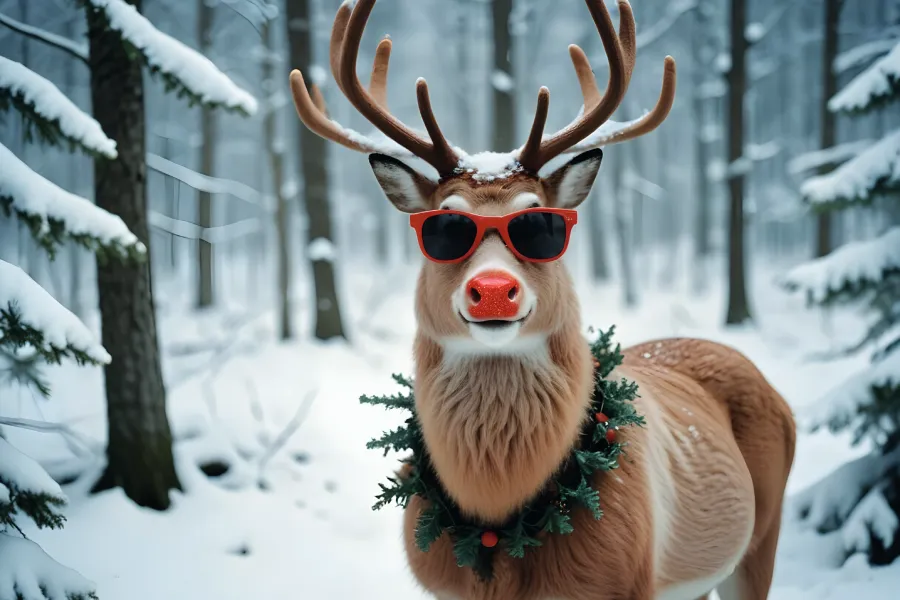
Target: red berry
489 539
611 436
601 418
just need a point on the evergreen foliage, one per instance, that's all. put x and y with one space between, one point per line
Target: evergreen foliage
572 487
865 276
171 83
39 128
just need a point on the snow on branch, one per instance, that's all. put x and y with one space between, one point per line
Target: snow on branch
850 403
194 75
859 54
874 171
21 474
877 84
26 571
29 316
675 9
827 504
213 235
203 183
873 516
833 156
79 51
53 214
49 112
852 267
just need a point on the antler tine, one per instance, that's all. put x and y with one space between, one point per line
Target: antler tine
378 82
438 152
627 38
338 31
581 128
648 122
311 111
586 79
530 153
318 99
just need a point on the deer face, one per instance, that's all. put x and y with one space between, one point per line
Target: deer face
490 297
491 285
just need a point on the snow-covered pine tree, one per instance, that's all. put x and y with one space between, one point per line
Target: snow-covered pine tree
861 501
34 327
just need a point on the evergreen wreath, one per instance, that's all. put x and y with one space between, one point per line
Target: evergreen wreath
475 543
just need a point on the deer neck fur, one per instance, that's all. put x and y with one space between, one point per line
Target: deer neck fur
497 427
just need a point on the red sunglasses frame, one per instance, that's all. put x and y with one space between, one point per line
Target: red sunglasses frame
500 224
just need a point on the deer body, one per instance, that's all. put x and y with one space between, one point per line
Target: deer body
504 376
696 504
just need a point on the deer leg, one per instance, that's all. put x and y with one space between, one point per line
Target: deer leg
753 577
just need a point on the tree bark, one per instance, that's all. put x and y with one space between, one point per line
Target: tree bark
139 450
738 309
701 152
599 266
624 230
282 212
504 96
205 266
827 128
314 152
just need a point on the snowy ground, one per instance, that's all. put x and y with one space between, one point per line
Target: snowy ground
291 517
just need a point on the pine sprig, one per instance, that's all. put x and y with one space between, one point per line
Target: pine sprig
51 233
171 83
37 127
40 508
15 333
549 514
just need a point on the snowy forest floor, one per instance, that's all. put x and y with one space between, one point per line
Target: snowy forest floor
291 516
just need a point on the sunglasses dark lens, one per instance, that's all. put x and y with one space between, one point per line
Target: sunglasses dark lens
538 235
448 237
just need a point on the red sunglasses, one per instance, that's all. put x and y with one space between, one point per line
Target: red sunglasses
532 235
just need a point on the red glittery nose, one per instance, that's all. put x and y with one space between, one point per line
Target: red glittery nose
493 295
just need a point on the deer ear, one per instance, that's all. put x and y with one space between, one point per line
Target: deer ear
568 186
408 191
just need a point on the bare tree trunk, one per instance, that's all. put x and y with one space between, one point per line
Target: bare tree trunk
282 212
599 266
205 290
463 72
624 231
738 309
701 152
314 152
827 129
139 450
502 79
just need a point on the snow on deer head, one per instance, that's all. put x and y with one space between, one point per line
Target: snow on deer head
490 226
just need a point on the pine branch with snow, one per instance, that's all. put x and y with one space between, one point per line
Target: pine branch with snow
28 490
29 573
876 86
182 69
48 114
873 172
54 215
31 318
850 271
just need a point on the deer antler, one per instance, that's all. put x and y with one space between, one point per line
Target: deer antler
620 51
436 152
589 90
372 103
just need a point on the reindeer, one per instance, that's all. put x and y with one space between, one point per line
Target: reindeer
503 373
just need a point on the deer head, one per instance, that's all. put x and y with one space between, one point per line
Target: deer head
490 225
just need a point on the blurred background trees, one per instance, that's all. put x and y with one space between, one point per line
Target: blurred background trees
247 213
